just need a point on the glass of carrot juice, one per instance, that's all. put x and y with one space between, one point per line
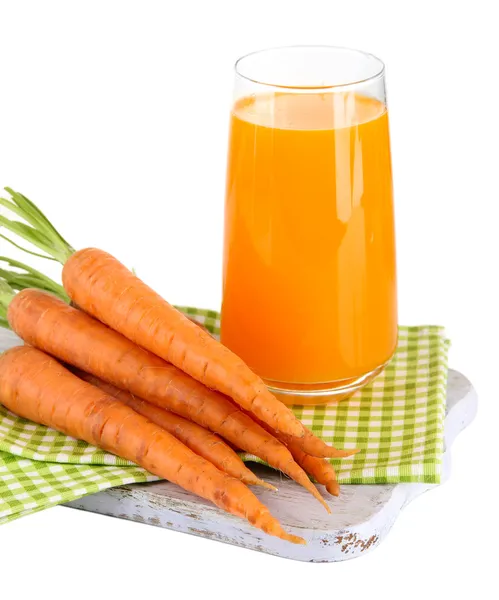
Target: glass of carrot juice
309 281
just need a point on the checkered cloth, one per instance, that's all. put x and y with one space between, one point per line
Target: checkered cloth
397 421
27 486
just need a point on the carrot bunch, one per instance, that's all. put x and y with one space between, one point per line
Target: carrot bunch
139 379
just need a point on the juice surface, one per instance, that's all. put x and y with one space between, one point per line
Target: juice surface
309 258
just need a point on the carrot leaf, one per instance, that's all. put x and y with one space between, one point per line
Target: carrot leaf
34 228
31 235
25 249
36 217
28 277
6 295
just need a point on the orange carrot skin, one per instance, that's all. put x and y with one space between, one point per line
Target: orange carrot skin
319 468
314 446
310 444
107 290
44 321
199 440
198 324
204 444
36 387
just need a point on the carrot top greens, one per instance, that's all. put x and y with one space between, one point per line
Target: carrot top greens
6 295
20 276
34 228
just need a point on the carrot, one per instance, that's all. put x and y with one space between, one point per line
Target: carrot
318 468
36 387
310 444
46 322
314 446
193 320
199 440
193 436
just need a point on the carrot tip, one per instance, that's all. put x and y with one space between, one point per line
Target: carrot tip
323 502
354 451
333 488
260 482
336 453
267 485
294 539
315 492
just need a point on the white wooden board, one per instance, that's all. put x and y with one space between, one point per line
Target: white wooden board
360 519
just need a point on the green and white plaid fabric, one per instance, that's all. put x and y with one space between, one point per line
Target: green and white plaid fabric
36 442
27 486
397 421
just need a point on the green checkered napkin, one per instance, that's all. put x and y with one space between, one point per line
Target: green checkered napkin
397 421
27 486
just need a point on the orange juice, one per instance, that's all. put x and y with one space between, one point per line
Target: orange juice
309 291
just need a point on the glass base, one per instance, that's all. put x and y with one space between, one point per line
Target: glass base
320 393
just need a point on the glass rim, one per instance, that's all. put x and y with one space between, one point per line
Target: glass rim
378 75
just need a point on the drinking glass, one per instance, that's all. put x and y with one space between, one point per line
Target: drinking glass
309 279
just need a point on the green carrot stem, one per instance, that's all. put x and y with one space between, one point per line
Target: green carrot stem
37 230
30 278
12 281
6 295
25 249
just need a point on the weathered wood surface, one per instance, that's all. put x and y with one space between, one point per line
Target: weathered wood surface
360 519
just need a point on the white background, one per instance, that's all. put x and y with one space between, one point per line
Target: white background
113 117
